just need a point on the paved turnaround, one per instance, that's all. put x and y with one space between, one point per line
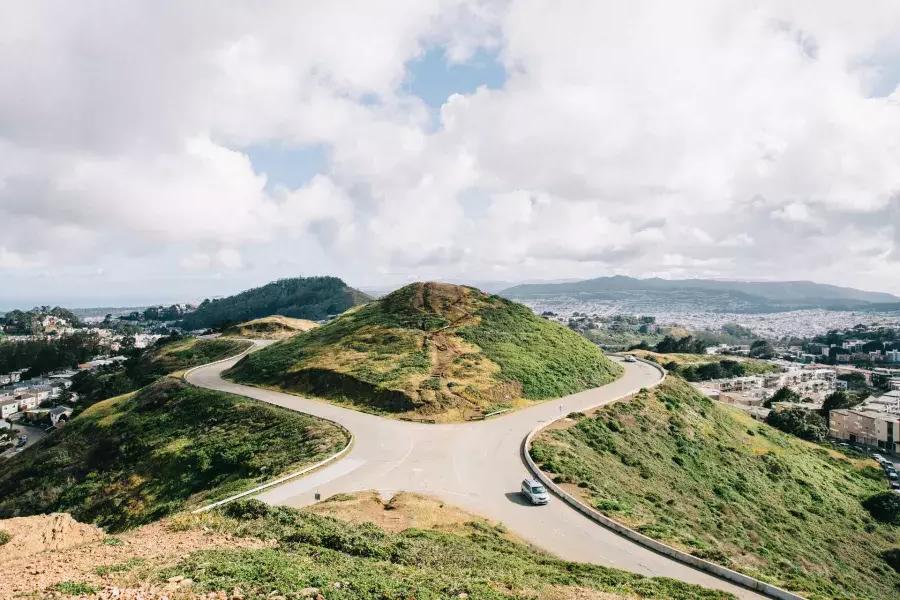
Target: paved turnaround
477 466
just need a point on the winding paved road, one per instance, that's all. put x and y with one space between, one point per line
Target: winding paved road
477 466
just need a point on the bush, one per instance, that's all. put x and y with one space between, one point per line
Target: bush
884 507
246 509
892 558
798 421
4 537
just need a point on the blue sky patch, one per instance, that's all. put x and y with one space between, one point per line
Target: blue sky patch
433 78
291 167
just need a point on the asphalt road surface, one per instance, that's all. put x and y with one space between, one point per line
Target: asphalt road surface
477 466
34 435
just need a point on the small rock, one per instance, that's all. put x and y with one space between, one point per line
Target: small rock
186 583
462 595
175 579
308 592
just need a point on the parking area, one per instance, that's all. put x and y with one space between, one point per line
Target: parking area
889 465
34 434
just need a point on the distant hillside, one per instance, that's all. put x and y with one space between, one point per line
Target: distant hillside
275 327
714 482
301 297
433 351
27 322
136 458
738 296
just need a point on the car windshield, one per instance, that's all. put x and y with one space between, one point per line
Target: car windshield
538 489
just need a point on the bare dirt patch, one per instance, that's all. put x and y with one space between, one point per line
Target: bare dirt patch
64 550
57 531
403 511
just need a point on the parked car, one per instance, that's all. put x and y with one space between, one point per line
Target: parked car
893 476
535 492
895 485
23 439
881 460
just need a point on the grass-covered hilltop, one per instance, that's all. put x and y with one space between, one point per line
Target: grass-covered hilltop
274 327
432 351
135 458
710 480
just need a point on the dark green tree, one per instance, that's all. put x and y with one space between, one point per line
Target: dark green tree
805 424
784 394
762 349
838 400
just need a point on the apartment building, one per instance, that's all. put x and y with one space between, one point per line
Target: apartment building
867 427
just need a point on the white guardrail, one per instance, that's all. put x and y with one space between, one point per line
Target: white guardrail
283 478
598 517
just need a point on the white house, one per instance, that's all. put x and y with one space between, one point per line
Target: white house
8 407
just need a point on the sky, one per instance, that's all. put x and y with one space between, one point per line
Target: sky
170 151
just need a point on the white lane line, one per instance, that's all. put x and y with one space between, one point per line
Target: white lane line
282 493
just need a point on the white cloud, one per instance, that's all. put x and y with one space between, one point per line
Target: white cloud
729 139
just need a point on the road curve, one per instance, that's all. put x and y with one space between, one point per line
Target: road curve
477 466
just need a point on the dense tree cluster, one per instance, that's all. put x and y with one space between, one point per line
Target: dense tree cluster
687 344
762 349
784 394
303 298
45 355
156 313
805 424
711 370
27 322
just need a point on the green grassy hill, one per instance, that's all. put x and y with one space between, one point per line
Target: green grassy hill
433 351
712 481
470 560
135 458
274 327
349 547
167 356
183 354
299 297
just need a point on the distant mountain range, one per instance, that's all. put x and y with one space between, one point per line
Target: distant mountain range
709 294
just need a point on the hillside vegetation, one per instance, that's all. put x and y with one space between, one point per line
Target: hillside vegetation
168 355
135 458
301 298
703 367
275 327
712 481
432 351
413 548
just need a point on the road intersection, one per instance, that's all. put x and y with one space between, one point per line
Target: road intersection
477 466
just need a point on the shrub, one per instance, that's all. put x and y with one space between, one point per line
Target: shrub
4 537
892 558
884 507
246 509
74 588
798 421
